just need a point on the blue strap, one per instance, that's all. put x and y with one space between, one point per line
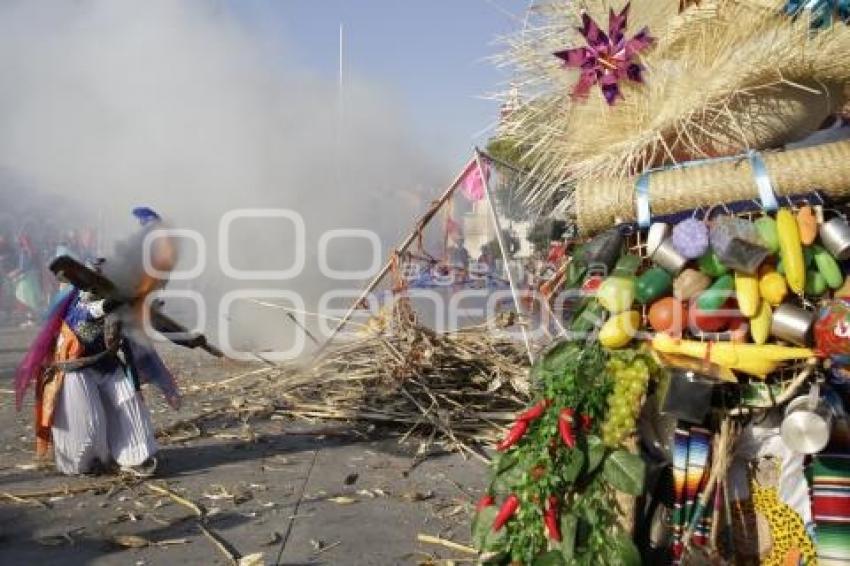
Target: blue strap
763 182
642 197
762 178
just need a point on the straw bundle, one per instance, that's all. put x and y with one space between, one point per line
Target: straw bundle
454 385
600 203
723 77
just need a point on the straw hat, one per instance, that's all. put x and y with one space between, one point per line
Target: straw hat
721 77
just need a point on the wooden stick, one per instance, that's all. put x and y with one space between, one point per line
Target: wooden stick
428 539
222 545
505 259
196 509
406 243
64 490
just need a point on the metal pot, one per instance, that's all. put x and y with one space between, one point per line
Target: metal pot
807 424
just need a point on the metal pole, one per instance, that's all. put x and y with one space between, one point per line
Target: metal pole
406 243
499 239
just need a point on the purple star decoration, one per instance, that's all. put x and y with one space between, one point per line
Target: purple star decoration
607 59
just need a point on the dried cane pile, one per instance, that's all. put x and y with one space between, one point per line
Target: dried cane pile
453 385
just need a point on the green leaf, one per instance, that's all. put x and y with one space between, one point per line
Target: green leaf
559 356
483 536
551 558
569 526
595 452
625 471
506 481
572 466
623 552
503 462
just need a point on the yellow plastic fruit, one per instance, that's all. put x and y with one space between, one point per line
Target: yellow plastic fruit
619 330
773 288
760 323
791 249
747 292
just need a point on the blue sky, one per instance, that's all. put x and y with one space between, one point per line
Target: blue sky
431 54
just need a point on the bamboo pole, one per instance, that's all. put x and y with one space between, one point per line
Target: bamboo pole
505 259
406 243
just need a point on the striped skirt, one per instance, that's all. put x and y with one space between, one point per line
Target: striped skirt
100 417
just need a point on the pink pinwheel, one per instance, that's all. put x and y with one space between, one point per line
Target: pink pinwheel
607 59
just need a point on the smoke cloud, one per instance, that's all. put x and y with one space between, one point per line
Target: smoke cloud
181 106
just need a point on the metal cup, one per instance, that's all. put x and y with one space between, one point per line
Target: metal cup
835 235
793 324
656 234
667 258
807 424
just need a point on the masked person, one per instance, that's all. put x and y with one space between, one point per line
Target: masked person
87 364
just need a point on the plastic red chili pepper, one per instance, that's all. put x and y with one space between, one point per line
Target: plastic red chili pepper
536 411
517 431
484 502
586 422
550 519
506 511
565 427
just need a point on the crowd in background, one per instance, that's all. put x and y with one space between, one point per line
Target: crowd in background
32 233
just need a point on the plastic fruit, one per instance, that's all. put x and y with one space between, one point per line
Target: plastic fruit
715 296
760 323
616 294
766 227
653 283
689 284
711 265
747 292
668 315
791 248
707 321
807 224
619 330
773 288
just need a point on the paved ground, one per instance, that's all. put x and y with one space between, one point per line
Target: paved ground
299 493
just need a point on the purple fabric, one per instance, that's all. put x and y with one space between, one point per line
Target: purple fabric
151 369
37 357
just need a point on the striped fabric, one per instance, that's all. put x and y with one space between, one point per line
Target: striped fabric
830 485
680 473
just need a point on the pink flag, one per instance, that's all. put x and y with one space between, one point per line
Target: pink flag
472 184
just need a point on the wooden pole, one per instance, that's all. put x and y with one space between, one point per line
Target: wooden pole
402 247
505 259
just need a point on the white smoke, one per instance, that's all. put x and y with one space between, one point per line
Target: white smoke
184 108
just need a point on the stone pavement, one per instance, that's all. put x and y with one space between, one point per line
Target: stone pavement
297 493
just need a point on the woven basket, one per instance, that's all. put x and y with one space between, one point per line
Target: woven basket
602 203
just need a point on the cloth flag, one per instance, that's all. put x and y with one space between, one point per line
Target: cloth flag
472 184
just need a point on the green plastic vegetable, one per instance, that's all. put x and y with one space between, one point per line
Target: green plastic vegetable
715 296
766 227
710 265
815 283
652 284
828 267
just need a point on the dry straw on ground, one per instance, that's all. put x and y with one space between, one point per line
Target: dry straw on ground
456 386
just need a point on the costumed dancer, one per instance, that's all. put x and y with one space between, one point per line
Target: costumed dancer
88 363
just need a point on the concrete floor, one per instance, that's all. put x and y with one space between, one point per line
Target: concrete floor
299 493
